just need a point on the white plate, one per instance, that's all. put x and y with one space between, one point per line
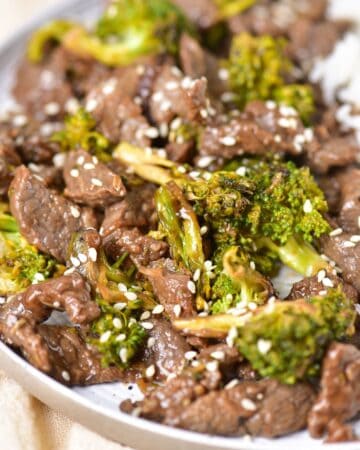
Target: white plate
97 407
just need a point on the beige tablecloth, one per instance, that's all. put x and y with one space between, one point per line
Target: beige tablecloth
25 423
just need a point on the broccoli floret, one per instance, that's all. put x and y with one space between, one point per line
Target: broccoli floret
21 264
116 333
238 284
79 133
285 340
229 8
257 67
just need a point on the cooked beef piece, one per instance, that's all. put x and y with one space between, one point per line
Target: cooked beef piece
336 151
43 89
51 176
263 127
46 219
330 186
72 361
203 13
174 95
180 152
142 249
167 349
197 62
312 286
9 159
339 397
89 182
137 209
228 358
118 117
170 286
21 314
346 254
349 205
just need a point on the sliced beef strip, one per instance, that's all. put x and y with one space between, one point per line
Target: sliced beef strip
22 313
311 286
142 249
346 255
180 152
203 13
349 205
137 209
9 160
90 182
171 288
167 350
174 95
51 176
46 219
263 127
72 361
339 397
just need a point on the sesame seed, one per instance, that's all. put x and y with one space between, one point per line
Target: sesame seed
218 355
140 69
231 384
212 366
20 120
205 161
252 306
164 129
159 309
203 230
59 160
263 346
252 265
283 122
176 71
307 207
227 97
158 96
117 323
52 109
96 182
176 123
191 286
65 374
147 325
228 141
82 257
120 306
69 271
121 337
177 310
203 113
336 232
357 307
321 275
74 261
151 342
56 304
105 336
241 171
95 160
327 282
74 173
270 104
145 315
223 74
308 134
123 353
80 161
232 335
74 212
171 85
277 138
92 252
355 238
130 296
150 371
190 355
91 105
2 300
47 129
109 86
187 83
248 404
152 133
348 244
196 275
72 105
122 287
165 106
89 166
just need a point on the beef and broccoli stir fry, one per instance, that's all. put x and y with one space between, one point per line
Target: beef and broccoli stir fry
159 171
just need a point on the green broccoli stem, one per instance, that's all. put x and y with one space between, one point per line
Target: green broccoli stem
296 254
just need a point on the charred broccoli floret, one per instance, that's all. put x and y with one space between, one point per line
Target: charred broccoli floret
257 67
284 340
79 133
21 264
117 334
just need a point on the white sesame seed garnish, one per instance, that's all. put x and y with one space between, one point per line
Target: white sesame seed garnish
92 253
212 366
123 353
321 275
355 238
74 212
159 309
122 287
2 300
151 342
96 182
205 161
171 85
20 120
164 130
140 69
232 335
82 257
327 282
120 306
121 337
151 133
65 374
228 97
196 275
109 86
52 109
191 286
176 123
277 138
105 336
263 346
165 106
80 161
219 355
252 306
357 307
147 325
117 323
89 166
252 265
74 173
248 404
130 296
336 232
190 355
308 134
348 244
158 97
228 141
231 384
270 104
69 271
145 315
72 105
203 113
223 74
307 206
91 105
56 304
74 261
150 371
241 171
203 230
177 310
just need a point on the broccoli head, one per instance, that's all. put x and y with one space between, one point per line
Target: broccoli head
79 133
299 96
21 264
283 340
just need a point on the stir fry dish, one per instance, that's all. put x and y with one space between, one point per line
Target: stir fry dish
163 172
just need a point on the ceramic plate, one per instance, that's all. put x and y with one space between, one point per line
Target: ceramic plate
97 407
